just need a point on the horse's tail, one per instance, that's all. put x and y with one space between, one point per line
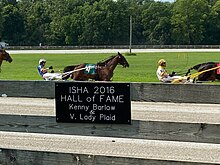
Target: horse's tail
68 69
196 67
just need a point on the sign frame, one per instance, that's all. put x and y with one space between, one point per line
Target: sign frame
93 102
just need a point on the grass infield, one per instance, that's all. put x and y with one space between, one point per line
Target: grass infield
142 66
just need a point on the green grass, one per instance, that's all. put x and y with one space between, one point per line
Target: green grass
142 66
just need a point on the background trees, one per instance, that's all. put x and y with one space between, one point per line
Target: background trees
106 22
156 23
188 21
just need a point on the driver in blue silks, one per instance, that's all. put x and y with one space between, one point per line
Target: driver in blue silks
44 72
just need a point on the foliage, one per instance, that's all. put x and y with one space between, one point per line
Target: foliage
13 24
156 23
188 21
106 22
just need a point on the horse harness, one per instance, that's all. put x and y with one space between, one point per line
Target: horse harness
90 69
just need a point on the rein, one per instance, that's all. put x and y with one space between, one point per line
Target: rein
87 68
201 72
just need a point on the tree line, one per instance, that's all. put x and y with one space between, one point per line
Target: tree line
107 22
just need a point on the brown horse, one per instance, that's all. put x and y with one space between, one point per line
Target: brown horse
211 75
102 71
72 67
4 56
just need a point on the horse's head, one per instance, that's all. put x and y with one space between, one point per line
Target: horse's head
5 56
122 60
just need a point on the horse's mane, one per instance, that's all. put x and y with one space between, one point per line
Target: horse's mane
103 62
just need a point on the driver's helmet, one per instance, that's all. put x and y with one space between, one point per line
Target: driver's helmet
42 60
161 61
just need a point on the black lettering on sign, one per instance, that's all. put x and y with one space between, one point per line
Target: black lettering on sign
93 102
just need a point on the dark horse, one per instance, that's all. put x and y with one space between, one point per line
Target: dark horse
4 56
72 67
211 75
103 70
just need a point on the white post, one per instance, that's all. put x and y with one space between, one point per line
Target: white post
130 33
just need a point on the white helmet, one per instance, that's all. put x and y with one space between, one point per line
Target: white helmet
42 60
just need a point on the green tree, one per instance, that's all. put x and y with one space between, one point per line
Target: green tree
212 26
156 22
37 22
65 27
105 22
188 21
1 22
13 26
135 10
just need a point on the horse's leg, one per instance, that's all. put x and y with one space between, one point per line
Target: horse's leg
80 76
213 76
75 76
103 74
108 76
96 78
217 76
207 76
203 77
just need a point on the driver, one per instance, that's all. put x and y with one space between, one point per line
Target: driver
44 71
162 74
